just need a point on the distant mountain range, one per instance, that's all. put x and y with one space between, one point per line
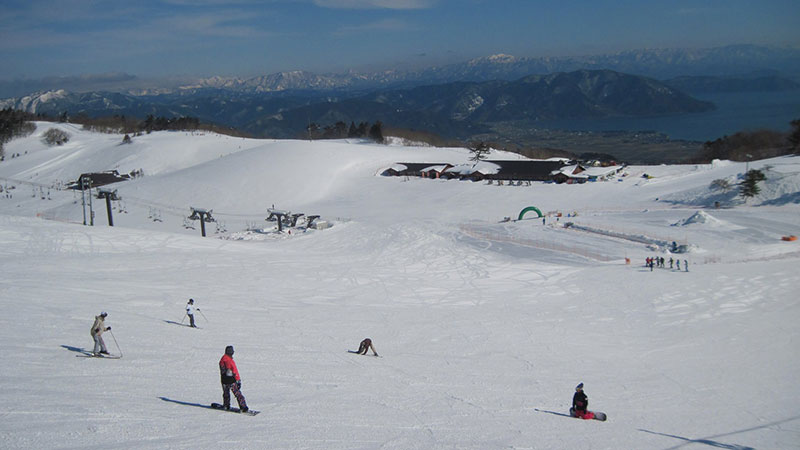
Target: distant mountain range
735 60
453 101
456 110
662 64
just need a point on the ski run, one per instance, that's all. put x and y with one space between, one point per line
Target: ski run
485 325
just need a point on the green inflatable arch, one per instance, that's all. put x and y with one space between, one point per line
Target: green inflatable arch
530 208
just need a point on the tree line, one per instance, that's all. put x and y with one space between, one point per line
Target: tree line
340 130
752 145
14 124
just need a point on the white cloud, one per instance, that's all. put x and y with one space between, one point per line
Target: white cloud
376 4
382 25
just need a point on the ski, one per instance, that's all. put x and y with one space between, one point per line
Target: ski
100 356
249 412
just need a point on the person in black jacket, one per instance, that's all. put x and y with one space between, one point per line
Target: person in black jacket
580 403
365 345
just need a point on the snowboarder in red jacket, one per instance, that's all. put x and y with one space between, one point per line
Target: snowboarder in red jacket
231 381
580 403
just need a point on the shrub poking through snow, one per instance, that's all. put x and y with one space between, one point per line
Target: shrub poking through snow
54 136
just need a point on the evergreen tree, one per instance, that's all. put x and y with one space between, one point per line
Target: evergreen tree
352 132
376 132
362 130
794 135
749 186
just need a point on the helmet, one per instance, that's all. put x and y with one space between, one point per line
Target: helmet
229 350
579 387
103 314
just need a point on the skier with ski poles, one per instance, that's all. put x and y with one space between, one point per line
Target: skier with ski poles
98 328
231 381
190 312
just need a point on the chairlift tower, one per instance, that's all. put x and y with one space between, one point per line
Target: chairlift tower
279 215
86 184
203 215
109 196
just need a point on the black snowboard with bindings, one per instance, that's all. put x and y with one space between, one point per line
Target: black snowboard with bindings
249 412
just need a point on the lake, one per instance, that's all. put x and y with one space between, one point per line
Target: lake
741 111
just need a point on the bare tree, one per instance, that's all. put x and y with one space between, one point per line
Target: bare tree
54 136
480 151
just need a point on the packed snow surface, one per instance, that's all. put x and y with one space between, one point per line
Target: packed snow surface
485 324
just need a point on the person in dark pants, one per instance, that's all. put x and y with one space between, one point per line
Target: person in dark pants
365 345
190 312
231 381
580 403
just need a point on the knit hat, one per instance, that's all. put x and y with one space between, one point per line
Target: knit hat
229 350
579 387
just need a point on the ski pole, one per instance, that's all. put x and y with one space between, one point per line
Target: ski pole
116 343
184 318
201 313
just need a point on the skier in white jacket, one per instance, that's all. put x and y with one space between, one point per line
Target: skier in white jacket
190 312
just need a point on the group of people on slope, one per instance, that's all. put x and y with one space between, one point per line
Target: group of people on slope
660 262
229 373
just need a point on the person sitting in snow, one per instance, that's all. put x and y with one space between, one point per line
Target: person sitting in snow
365 345
580 403
98 328
231 381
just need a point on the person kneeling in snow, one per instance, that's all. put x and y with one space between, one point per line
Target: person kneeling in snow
579 404
231 381
365 345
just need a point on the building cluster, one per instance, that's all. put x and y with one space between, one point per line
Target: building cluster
556 170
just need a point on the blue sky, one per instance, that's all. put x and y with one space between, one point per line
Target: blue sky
154 38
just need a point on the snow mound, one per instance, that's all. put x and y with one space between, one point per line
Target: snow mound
698 217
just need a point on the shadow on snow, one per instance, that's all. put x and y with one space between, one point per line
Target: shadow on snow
77 349
716 444
553 412
198 405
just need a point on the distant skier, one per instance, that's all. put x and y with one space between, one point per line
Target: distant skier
580 403
231 381
678 264
671 261
98 328
190 312
365 345
686 265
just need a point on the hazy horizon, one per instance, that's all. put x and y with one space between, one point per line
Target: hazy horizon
180 38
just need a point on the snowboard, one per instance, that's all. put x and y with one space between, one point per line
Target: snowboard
351 351
249 412
89 355
601 416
